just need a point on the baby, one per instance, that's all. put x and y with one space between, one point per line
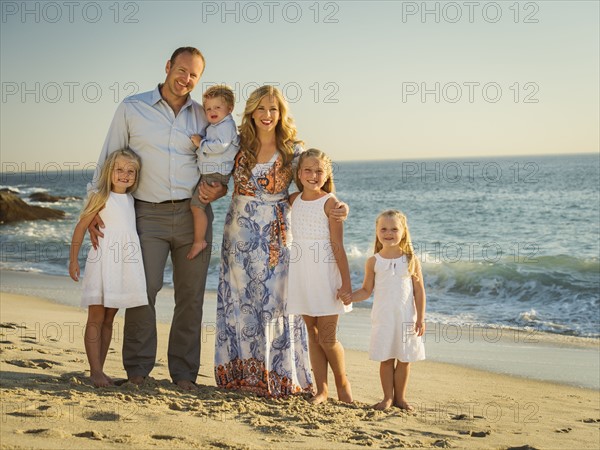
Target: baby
216 154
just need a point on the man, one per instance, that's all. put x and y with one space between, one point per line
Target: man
156 125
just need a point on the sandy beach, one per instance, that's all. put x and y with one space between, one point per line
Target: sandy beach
48 402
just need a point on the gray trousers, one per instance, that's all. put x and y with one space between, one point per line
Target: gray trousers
163 229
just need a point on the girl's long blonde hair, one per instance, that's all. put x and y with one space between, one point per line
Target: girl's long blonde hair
328 186
405 242
285 130
97 200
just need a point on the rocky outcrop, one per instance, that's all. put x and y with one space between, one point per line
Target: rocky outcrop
45 197
13 209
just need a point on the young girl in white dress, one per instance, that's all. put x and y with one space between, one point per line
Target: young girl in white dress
114 272
398 314
319 276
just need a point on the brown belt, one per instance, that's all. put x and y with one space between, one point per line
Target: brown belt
162 203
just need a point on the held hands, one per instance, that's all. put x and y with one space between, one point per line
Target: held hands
344 293
347 300
344 296
340 212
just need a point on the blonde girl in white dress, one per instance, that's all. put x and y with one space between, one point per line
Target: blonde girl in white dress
398 314
114 272
319 275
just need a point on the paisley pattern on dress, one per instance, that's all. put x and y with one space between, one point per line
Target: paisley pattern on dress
258 347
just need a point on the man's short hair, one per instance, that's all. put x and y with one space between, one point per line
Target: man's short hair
191 50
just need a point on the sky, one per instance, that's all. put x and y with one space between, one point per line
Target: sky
364 80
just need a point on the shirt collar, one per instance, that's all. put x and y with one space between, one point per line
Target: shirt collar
156 97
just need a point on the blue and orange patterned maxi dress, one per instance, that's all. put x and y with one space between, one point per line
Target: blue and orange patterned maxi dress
258 347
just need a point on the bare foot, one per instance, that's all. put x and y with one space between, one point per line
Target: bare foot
186 385
136 379
404 405
197 247
318 398
345 393
100 380
110 380
383 404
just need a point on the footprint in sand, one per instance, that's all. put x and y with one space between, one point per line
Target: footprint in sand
95 435
480 434
11 325
25 414
523 447
46 432
220 444
563 430
591 420
103 417
164 437
362 440
34 363
31 411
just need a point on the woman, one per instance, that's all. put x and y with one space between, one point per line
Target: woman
258 347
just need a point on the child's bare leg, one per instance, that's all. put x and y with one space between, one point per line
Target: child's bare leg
107 329
400 382
318 360
386 373
93 345
327 326
200 226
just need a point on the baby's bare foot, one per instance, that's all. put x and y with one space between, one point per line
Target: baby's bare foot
197 247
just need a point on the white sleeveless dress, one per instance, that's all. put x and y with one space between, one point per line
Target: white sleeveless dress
394 314
314 276
114 273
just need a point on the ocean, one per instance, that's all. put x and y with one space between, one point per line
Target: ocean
505 242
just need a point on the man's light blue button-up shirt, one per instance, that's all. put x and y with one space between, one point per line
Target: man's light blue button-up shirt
146 124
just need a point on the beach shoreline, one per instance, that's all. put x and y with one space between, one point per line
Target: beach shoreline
48 402
527 353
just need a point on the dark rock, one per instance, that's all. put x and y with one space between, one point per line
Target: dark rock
45 197
13 209
8 190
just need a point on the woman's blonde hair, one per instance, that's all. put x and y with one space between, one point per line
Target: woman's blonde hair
405 242
285 130
328 186
97 200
